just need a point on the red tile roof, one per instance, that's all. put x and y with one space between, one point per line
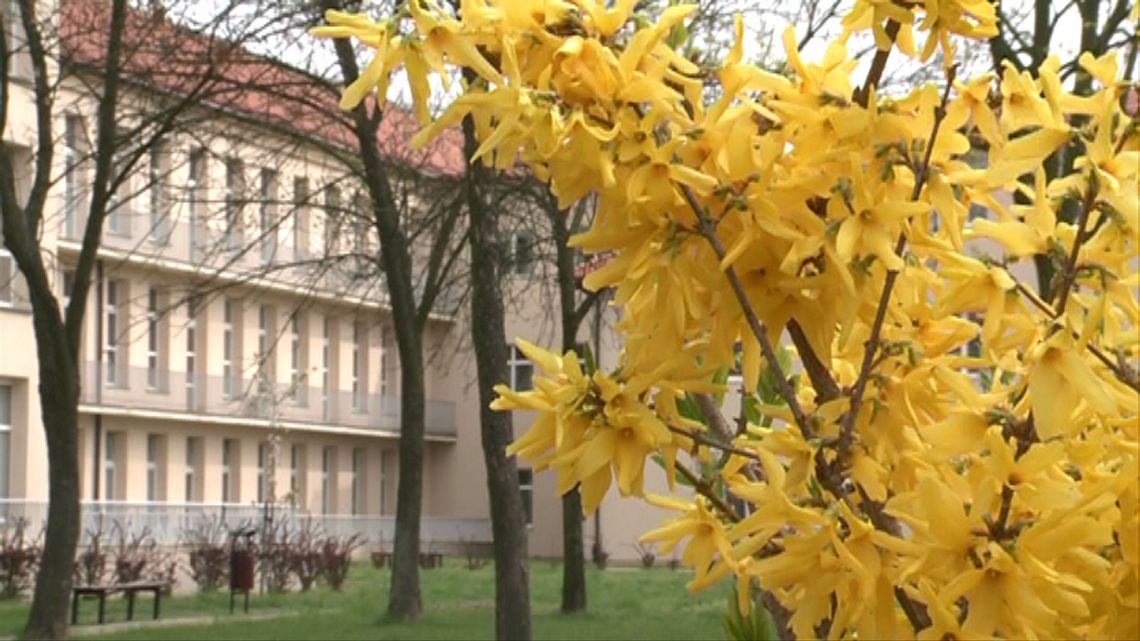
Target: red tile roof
170 58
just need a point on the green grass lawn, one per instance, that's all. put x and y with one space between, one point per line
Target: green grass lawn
459 604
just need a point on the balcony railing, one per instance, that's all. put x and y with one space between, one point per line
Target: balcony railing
243 398
246 253
168 522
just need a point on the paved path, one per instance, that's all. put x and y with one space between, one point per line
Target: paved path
123 626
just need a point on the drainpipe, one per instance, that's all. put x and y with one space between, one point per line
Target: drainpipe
98 378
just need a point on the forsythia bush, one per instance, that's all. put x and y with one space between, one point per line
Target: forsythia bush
898 485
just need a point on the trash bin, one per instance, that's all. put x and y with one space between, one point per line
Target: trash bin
241 564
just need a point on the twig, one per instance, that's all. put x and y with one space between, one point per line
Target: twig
999 529
1124 375
825 386
704 440
1070 275
708 230
878 65
872 346
712 413
706 490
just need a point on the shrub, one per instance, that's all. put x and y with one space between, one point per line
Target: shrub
130 553
208 553
336 558
275 556
19 556
91 563
473 553
645 551
303 550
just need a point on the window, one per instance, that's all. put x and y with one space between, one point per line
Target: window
526 488
155 381
117 220
326 333
197 191
72 131
5 436
385 465
231 379
229 475
262 469
153 478
7 273
68 287
520 253
362 216
110 476
328 480
158 197
265 336
192 305
358 467
301 218
385 363
235 202
298 355
522 370
111 338
21 65
267 215
11 288
332 216
193 460
296 474
359 374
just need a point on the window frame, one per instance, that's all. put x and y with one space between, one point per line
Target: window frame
517 362
526 489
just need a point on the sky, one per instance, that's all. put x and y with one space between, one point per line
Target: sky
765 21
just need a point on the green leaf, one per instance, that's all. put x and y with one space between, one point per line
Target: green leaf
690 409
758 625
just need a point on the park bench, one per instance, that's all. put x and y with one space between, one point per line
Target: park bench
429 560
127 589
381 559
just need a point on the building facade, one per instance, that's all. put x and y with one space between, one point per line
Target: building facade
226 367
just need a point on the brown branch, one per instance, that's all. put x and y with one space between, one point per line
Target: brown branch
712 413
872 346
1026 436
878 65
825 386
1123 374
1069 278
705 489
708 229
713 443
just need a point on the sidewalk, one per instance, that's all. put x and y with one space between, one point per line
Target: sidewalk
92 630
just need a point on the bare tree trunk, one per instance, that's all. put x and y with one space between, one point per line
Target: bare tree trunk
404 599
59 395
508 520
573 543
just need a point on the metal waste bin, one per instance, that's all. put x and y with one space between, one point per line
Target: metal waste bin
241 564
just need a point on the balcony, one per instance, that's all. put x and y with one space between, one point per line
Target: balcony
169 522
143 389
242 254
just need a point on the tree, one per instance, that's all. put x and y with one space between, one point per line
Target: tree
1028 34
508 520
897 488
572 313
105 50
409 318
